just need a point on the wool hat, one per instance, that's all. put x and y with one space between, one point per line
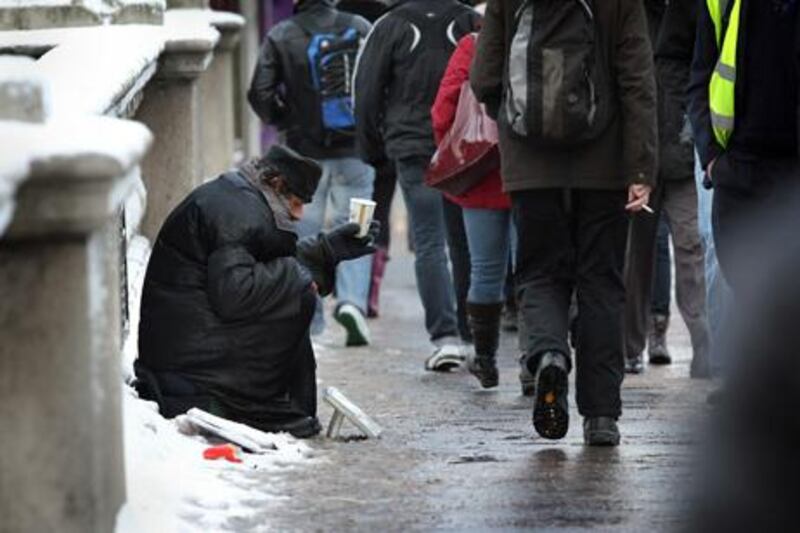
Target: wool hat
302 174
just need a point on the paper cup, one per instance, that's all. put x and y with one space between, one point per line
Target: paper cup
361 211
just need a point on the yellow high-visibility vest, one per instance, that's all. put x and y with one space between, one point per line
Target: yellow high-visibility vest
722 88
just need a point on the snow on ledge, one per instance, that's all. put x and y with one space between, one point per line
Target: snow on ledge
83 148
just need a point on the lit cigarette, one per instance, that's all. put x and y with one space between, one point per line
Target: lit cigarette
648 209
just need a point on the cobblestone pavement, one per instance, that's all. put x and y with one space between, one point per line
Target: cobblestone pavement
455 457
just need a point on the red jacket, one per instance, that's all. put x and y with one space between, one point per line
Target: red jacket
489 193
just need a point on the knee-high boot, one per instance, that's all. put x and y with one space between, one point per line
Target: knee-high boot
484 321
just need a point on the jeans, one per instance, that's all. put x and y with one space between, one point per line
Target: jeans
460 263
574 242
434 283
718 293
662 280
341 180
490 234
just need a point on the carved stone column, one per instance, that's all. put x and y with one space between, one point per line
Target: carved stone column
171 109
217 96
62 465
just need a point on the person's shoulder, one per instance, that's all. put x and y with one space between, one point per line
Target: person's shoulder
285 29
356 21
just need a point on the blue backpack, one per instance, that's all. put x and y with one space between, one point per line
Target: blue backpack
332 61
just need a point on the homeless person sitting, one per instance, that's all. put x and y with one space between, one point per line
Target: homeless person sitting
229 296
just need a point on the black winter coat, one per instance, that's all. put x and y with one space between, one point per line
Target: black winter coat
220 276
626 152
398 76
281 89
672 27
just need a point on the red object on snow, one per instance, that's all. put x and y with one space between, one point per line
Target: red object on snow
229 452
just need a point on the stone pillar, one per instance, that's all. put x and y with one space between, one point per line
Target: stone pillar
217 97
249 133
171 109
60 400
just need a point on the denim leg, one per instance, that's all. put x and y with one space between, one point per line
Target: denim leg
489 238
351 178
434 282
311 224
314 213
456 237
718 293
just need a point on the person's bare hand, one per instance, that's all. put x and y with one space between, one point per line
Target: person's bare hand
638 197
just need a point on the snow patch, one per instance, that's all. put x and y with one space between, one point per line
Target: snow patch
172 488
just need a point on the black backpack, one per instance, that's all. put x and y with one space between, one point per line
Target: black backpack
332 59
558 89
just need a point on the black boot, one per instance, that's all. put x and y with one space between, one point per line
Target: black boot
657 340
484 321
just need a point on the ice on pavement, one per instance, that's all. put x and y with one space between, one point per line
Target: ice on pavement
170 487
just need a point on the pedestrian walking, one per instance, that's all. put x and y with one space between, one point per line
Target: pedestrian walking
573 89
398 74
744 115
302 85
385 177
229 295
671 26
489 233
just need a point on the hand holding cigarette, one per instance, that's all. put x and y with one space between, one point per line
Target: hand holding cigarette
638 198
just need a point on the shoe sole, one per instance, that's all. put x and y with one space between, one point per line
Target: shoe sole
444 363
603 438
355 336
660 360
550 420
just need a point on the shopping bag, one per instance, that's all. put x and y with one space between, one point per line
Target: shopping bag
468 152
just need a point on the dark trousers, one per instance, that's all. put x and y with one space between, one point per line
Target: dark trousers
750 196
678 201
574 241
662 278
460 261
383 194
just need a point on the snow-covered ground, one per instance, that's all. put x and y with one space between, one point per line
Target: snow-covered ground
171 488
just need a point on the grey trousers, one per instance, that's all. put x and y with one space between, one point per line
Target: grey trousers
678 201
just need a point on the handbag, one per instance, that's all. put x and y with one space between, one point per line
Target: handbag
468 152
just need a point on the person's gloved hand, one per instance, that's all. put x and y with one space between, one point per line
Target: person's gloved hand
343 244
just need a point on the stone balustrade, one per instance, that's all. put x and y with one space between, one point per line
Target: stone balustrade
107 107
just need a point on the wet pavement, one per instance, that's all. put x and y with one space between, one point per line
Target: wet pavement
456 457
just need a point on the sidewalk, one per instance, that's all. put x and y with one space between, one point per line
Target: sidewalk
456 457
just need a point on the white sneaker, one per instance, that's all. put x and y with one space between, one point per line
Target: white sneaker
353 321
448 355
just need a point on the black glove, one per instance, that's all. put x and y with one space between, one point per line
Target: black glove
342 244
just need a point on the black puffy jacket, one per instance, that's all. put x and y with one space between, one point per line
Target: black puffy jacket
281 91
220 276
398 75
